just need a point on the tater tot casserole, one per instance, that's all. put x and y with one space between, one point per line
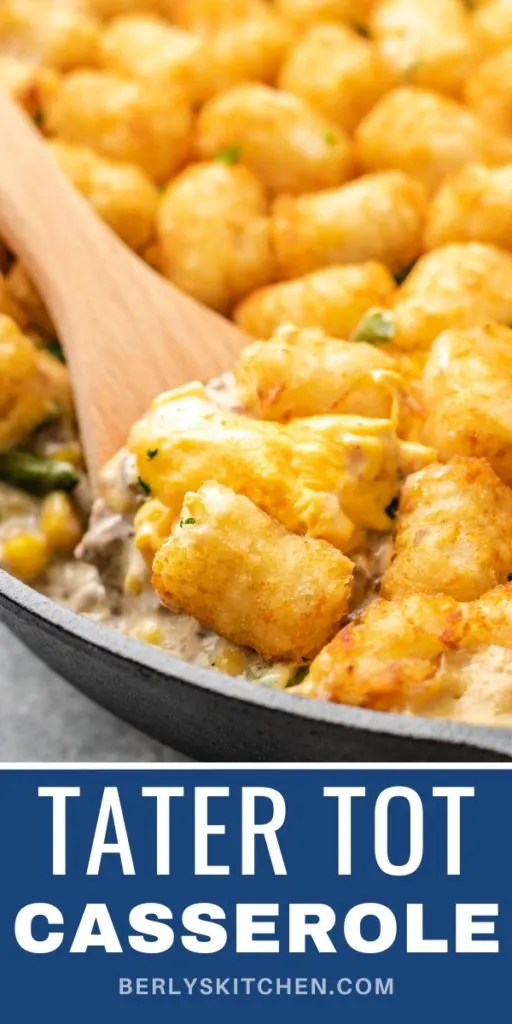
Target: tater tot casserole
334 515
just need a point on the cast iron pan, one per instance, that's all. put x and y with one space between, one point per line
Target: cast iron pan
217 718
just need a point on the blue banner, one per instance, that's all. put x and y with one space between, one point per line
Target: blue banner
198 893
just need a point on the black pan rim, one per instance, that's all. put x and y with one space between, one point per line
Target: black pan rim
148 658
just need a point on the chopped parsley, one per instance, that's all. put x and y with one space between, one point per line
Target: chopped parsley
55 349
298 676
143 486
38 118
392 509
331 138
188 522
151 452
230 155
376 327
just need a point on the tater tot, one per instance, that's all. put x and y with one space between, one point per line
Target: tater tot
303 13
388 658
430 43
493 25
467 392
10 307
64 38
243 40
120 193
333 299
124 119
427 135
426 655
29 390
474 206
214 233
251 50
337 71
111 8
306 373
376 217
327 476
205 17
280 138
148 47
453 532
20 290
454 286
282 595
31 85
488 92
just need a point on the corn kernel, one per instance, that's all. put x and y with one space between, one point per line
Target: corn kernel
230 659
71 452
25 555
133 583
153 524
149 632
60 522
276 677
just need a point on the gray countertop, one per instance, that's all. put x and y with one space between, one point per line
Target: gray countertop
43 718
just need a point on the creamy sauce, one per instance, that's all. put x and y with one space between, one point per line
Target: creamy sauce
476 687
108 581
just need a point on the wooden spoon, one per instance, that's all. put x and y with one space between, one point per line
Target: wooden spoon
126 332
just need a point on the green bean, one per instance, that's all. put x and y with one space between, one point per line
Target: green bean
36 475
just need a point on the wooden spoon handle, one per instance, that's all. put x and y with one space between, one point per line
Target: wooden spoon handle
83 272
128 335
48 236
